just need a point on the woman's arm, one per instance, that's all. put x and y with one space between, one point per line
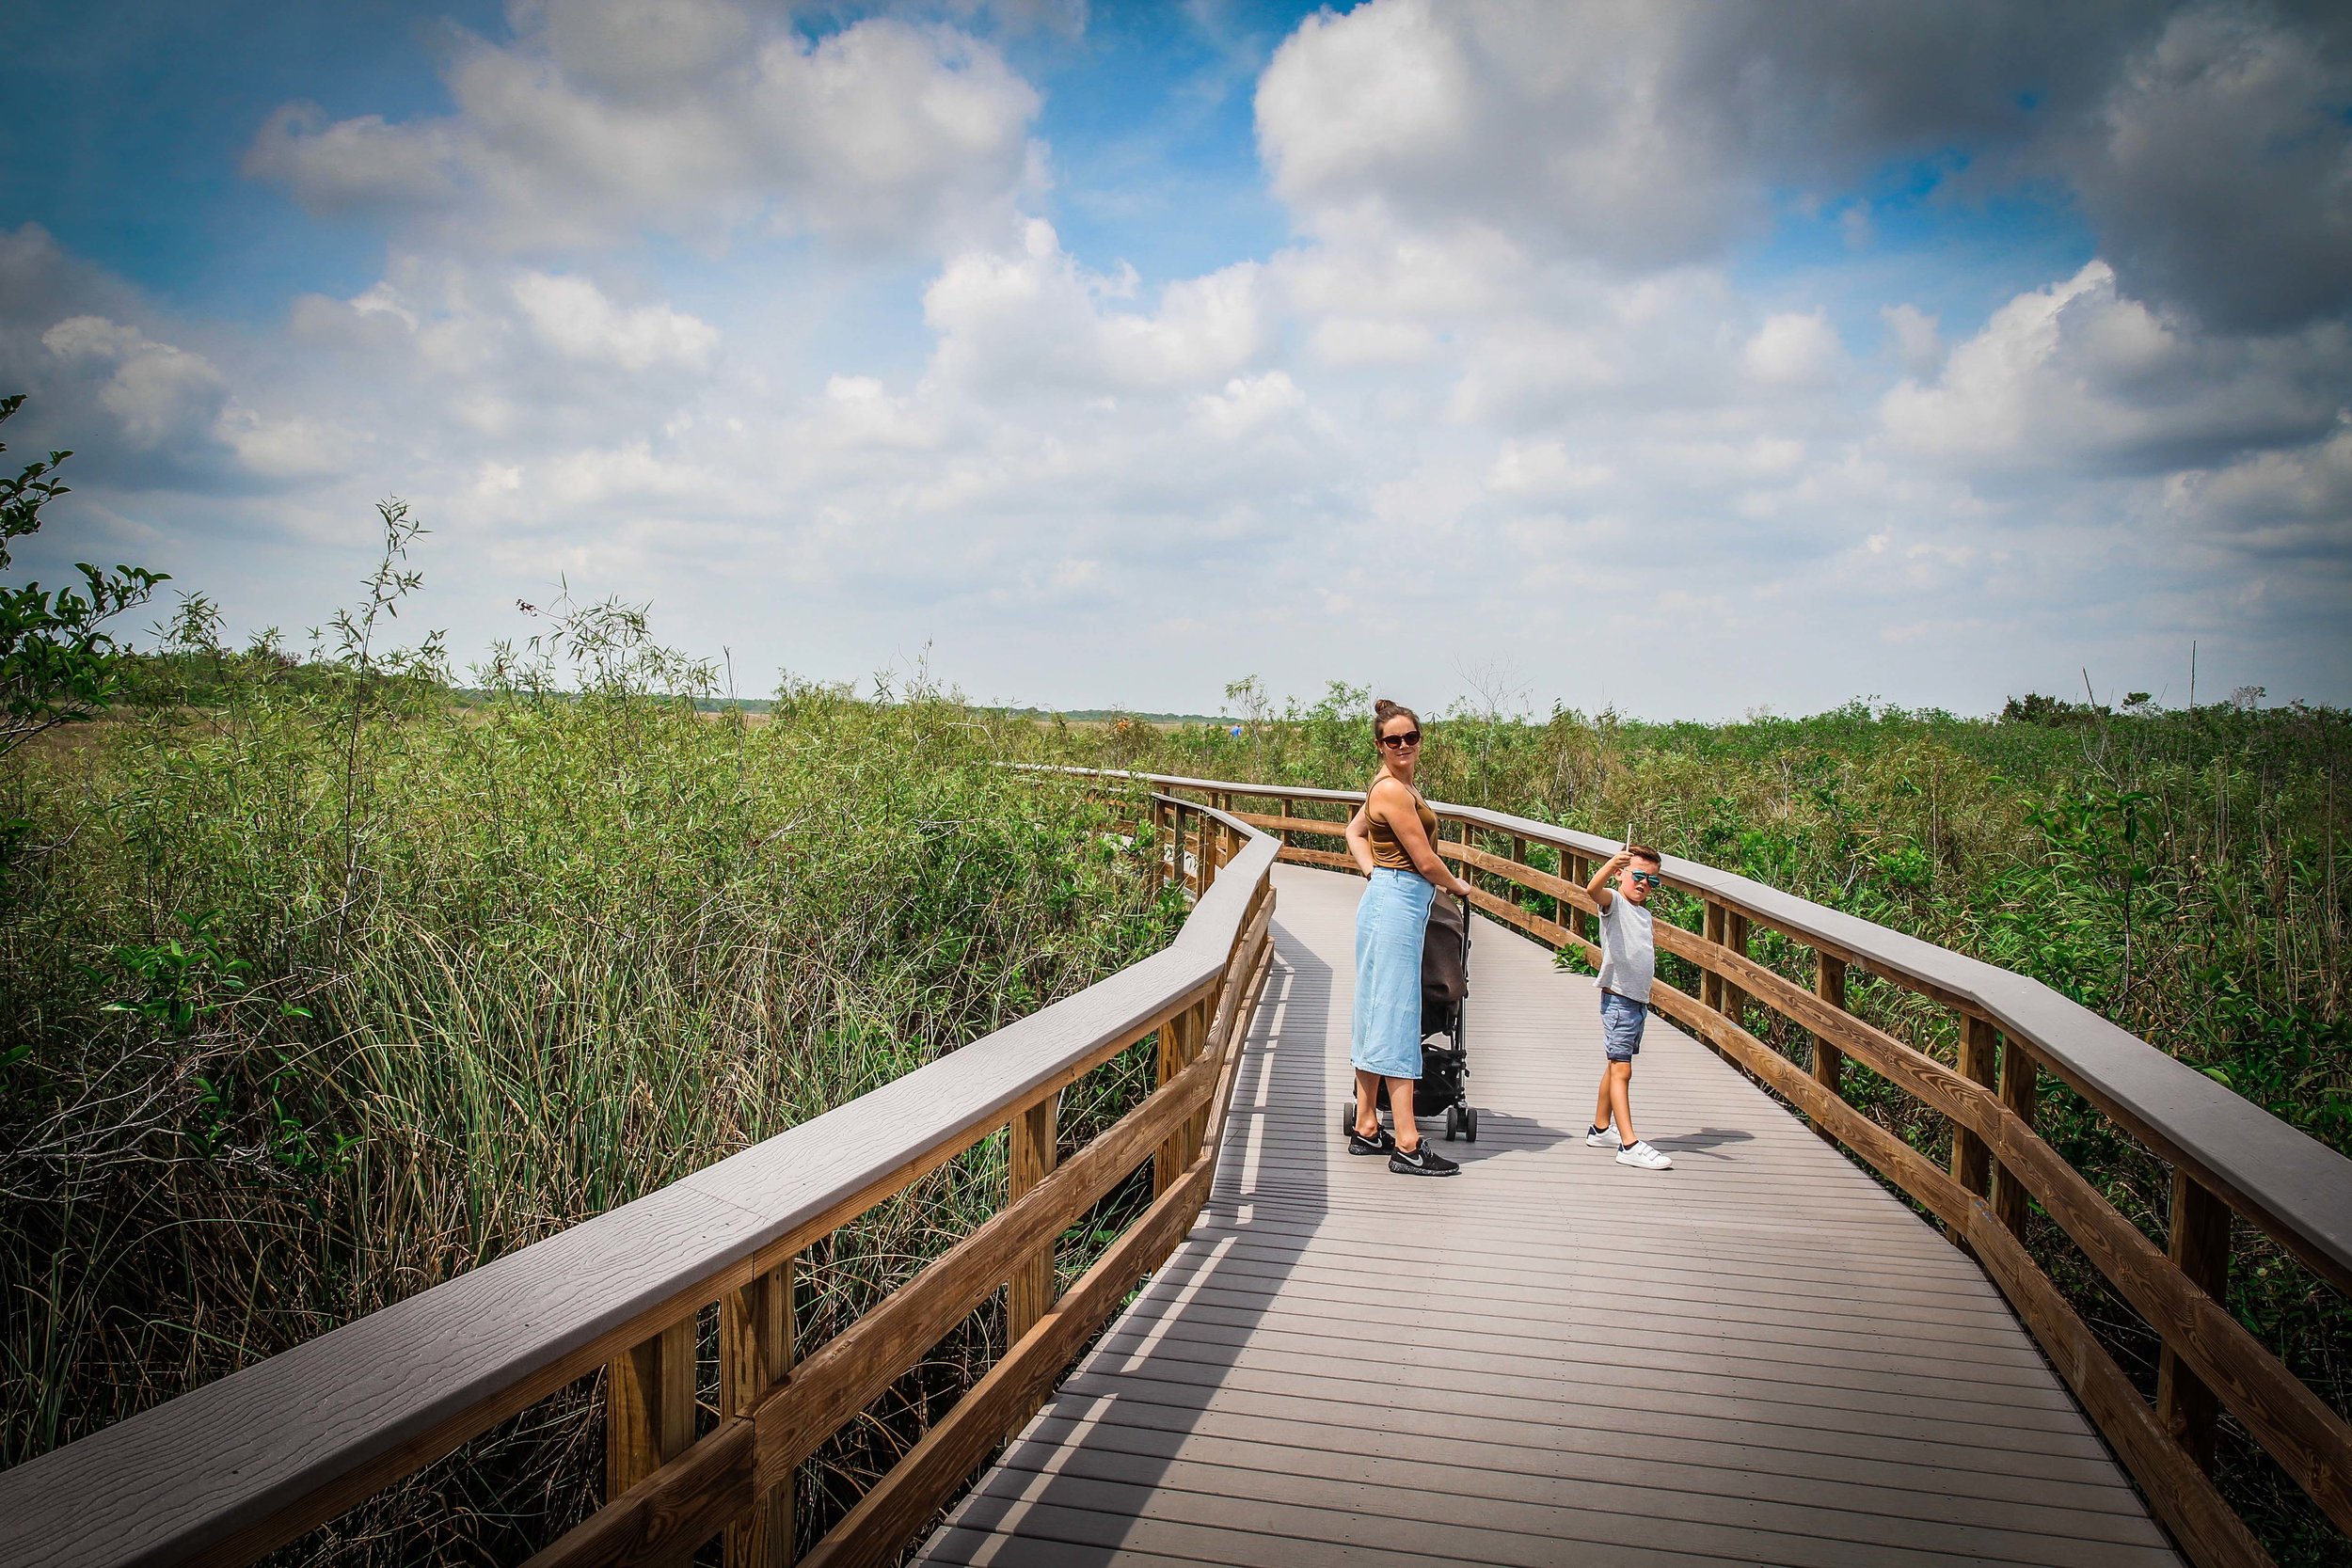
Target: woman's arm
1405 822
1359 838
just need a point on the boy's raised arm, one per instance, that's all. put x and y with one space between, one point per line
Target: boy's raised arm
1598 890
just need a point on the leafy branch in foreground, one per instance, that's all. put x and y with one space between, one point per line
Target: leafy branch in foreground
57 664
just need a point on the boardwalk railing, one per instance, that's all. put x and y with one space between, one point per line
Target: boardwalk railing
240 1466
2227 1155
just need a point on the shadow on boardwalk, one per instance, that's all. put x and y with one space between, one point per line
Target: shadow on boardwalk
1759 1357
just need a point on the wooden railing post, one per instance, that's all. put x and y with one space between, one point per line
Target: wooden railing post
1972 1162
1204 1021
2020 1083
755 1353
1828 1063
2199 1245
1730 998
1030 1159
1168 1160
1710 983
648 1406
1580 871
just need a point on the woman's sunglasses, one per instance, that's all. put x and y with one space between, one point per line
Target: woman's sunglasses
1651 877
1410 738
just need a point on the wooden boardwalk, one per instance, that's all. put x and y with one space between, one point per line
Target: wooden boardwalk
1759 1357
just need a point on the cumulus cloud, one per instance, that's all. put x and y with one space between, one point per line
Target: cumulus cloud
601 118
2297 503
2079 374
1641 135
2208 142
573 316
156 393
2220 171
1513 368
1031 318
1793 349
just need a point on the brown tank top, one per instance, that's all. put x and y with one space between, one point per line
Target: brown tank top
1386 850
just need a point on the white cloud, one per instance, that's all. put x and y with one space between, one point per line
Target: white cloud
1507 376
1642 136
357 163
157 393
1793 350
2293 503
602 118
572 316
1031 319
2078 373
1250 403
1352 341
1542 471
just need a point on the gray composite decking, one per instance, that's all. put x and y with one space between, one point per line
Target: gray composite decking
1759 1357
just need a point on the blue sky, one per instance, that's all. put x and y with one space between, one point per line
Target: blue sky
1108 354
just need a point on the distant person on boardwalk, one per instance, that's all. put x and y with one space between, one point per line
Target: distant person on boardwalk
1389 840
1628 961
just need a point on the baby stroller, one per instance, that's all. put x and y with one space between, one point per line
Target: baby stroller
1445 947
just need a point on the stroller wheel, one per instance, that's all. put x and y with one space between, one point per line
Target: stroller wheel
1348 1119
1453 1122
1469 1124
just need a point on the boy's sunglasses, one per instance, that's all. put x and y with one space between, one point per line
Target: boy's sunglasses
1410 738
1652 877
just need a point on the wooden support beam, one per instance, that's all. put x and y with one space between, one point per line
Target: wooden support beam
648 1409
2199 1246
1732 1000
754 1355
877 1530
1030 1159
2021 1084
1972 1162
1175 1053
1828 1063
1711 984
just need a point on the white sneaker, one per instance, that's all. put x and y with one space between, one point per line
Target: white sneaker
1606 1138
1643 1155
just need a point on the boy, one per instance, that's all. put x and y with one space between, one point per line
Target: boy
1628 962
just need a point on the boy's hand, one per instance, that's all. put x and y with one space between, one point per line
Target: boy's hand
1618 863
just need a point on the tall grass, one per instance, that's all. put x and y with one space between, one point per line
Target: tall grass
2186 872
326 989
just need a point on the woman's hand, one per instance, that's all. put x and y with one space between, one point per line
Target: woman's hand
1460 890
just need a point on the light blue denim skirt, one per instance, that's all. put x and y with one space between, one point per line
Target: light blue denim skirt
1390 920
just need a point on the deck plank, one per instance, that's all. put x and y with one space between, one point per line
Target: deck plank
1759 1357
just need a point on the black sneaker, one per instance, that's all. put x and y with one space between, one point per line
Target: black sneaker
1381 1142
1423 1161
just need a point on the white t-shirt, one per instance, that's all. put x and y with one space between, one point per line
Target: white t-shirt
1628 961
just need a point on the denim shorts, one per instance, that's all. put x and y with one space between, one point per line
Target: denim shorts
1621 1021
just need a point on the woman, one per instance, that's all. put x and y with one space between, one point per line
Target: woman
1389 839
